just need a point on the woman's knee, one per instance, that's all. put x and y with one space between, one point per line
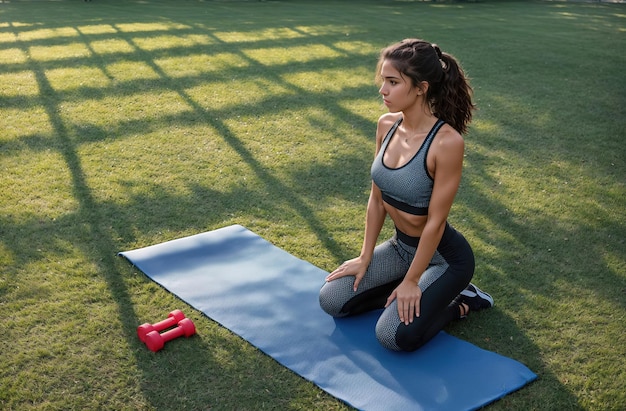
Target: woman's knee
403 339
410 337
395 335
387 328
332 299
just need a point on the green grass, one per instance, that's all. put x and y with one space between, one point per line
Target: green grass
129 123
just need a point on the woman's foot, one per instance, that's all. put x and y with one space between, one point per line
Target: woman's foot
463 310
475 298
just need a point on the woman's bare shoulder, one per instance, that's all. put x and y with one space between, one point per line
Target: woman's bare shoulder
385 122
388 119
449 137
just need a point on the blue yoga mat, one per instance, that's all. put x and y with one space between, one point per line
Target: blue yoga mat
270 298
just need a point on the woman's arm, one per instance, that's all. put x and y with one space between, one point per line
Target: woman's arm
448 160
374 219
448 163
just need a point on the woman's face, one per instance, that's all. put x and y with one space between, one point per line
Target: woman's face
397 90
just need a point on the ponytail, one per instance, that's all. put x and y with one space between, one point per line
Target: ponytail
452 100
449 93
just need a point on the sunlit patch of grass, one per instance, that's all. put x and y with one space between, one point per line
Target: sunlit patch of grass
131 70
59 52
12 56
24 127
36 184
282 55
46 33
139 107
167 41
329 80
149 27
258 34
97 29
111 46
77 77
22 84
233 94
198 64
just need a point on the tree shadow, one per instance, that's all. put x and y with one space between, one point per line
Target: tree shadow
101 228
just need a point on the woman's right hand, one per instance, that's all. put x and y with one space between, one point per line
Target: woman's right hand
356 267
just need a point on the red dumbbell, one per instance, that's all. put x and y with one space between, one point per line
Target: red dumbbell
172 319
155 341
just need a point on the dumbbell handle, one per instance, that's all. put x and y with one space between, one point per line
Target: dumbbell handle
172 319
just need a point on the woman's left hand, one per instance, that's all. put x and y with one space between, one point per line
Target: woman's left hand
408 295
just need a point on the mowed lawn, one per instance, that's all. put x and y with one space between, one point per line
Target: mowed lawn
129 123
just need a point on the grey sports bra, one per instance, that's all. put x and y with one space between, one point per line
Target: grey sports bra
407 188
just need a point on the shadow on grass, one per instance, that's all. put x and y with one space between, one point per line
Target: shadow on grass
92 227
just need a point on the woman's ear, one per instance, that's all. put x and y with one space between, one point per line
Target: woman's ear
422 88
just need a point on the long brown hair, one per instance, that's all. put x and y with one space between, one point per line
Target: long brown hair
449 93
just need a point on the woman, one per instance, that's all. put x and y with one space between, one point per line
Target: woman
421 276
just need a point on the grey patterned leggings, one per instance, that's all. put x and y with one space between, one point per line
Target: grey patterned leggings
449 272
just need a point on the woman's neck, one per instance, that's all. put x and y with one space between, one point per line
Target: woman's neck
418 116
415 122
